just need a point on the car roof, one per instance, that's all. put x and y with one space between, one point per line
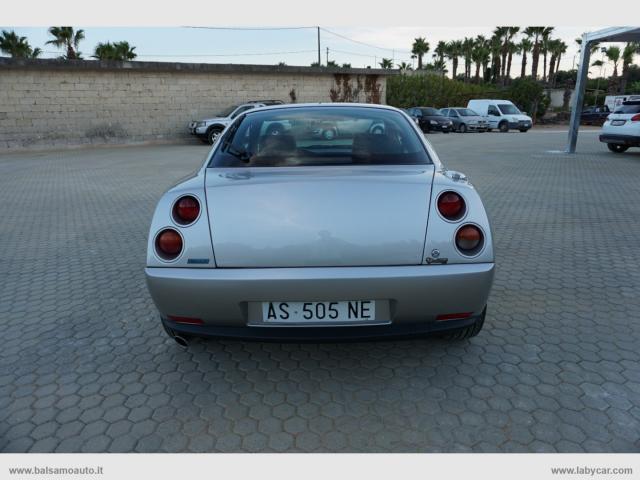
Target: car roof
325 105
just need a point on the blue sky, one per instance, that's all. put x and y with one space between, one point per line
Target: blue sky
184 44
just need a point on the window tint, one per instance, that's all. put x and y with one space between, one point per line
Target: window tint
508 109
628 109
467 112
430 111
492 110
313 136
241 110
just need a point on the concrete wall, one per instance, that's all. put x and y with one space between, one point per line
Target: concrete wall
52 103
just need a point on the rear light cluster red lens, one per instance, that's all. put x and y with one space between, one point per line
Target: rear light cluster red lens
168 244
636 118
469 239
451 206
186 210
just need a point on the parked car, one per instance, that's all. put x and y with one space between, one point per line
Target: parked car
431 120
209 129
293 236
595 115
465 119
615 101
622 128
501 114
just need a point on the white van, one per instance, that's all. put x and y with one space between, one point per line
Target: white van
501 114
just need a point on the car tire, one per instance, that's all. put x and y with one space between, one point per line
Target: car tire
617 148
503 127
462 128
468 331
213 134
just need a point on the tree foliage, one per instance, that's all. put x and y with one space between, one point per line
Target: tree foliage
118 51
17 47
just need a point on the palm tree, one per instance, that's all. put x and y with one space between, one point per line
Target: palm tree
556 47
468 45
386 63
440 51
119 51
17 47
420 48
524 47
404 67
513 48
453 52
495 44
67 38
630 50
613 54
545 48
537 33
481 54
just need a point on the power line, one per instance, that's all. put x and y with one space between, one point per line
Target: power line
252 28
364 43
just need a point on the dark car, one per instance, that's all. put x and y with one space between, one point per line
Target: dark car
431 120
594 115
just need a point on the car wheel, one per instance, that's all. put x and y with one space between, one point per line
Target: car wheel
503 127
468 331
617 148
462 128
213 134
329 134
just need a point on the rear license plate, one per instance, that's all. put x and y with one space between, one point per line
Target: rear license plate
617 123
319 312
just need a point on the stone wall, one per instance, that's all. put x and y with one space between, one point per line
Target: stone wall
54 103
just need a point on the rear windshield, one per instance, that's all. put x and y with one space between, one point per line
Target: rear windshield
628 109
466 112
308 136
508 109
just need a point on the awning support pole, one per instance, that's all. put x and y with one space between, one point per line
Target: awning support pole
578 96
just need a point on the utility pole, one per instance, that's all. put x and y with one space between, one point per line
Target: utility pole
327 56
319 59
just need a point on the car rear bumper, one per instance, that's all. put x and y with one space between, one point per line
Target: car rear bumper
630 140
225 299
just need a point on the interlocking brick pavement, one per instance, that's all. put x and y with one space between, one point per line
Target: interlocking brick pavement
85 365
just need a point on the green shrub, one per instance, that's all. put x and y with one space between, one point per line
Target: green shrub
405 91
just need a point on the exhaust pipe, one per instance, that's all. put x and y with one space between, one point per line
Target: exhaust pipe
181 341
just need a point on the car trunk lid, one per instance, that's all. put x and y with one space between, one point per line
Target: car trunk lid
318 216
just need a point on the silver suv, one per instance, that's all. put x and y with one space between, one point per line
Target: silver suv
209 129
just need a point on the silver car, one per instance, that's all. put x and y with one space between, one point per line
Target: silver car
297 236
465 120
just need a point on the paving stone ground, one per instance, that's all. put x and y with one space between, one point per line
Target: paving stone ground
86 367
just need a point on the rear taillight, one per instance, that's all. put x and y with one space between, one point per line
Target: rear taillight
636 118
451 206
469 240
186 210
168 244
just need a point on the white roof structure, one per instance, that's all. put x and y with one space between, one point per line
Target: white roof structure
611 34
